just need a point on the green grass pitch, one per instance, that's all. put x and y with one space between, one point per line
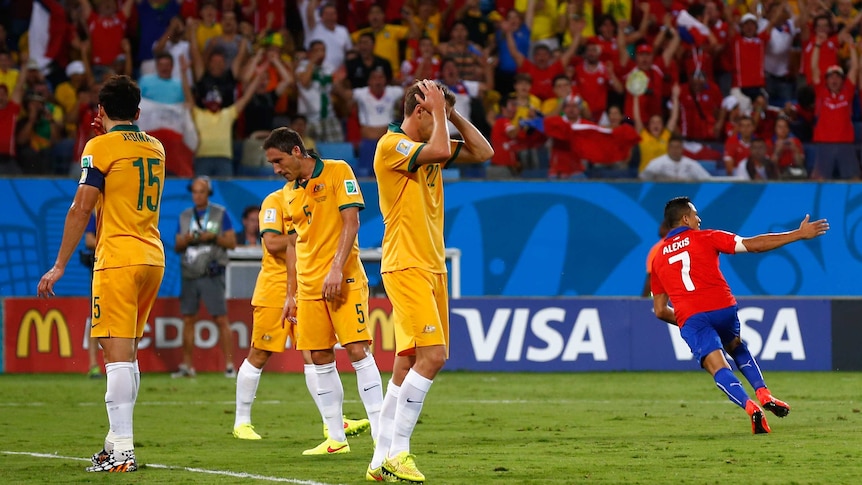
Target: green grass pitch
476 428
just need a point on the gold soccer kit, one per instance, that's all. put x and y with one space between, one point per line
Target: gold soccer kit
269 332
128 167
414 255
314 214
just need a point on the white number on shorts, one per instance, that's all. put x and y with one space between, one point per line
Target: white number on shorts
686 269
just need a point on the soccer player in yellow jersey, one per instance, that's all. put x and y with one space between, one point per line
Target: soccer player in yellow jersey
327 289
269 333
122 177
407 163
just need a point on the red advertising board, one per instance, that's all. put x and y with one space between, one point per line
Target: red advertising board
50 335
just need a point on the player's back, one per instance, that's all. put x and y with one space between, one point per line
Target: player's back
686 268
127 213
411 203
270 289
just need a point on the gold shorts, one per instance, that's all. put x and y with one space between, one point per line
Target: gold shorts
420 308
269 332
123 298
321 324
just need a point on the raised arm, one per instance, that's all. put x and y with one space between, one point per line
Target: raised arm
530 13
767 242
575 28
240 58
285 75
184 80
673 119
250 66
815 64
250 88
86 10
198 67
853 70
670 49
513 47
310 10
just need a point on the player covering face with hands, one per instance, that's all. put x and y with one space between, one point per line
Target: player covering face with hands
686 274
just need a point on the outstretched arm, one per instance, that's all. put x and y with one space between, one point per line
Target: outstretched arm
767 242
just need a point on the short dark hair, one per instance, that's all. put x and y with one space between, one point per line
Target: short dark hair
120 97
248 210
164 55
675 137
369 35
284 139
523 77
675 209
558 77
410 102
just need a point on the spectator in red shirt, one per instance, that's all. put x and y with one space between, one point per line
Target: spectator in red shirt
749 48
699 104
833 132
651 100
823 38
543 68
738 146
107 30
786 150
566 161
10 109
595 79
506 136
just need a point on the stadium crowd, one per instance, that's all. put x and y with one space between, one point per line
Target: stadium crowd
755 90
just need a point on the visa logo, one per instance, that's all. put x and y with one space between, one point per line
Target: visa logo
784 335
586 336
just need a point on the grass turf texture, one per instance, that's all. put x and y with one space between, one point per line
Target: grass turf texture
475 428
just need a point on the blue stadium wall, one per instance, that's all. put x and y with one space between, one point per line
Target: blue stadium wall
539 239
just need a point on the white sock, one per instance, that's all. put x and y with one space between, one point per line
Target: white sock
119 400
387 424
331 395
247 380
137 371
370 390
311 384
413 391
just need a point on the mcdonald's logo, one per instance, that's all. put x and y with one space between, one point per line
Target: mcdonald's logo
381 318
43 326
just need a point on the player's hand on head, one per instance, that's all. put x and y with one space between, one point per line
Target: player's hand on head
433 101
811 229
45 288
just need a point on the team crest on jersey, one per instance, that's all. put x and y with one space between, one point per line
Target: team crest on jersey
83 175
317 188
269 215
403 147
351 187
86 161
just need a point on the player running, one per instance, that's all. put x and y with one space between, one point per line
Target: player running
685 272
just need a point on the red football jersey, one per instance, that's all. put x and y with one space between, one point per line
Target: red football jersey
686 269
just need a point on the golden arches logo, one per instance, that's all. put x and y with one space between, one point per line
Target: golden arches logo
43 326
380 318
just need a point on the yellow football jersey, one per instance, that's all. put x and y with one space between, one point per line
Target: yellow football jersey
314 214
128 166
411 202
270 289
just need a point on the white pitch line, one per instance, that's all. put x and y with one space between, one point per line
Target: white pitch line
183 468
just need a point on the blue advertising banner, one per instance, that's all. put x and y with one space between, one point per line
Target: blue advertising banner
517 239
604 334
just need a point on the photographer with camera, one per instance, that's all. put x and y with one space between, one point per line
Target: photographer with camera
204 235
